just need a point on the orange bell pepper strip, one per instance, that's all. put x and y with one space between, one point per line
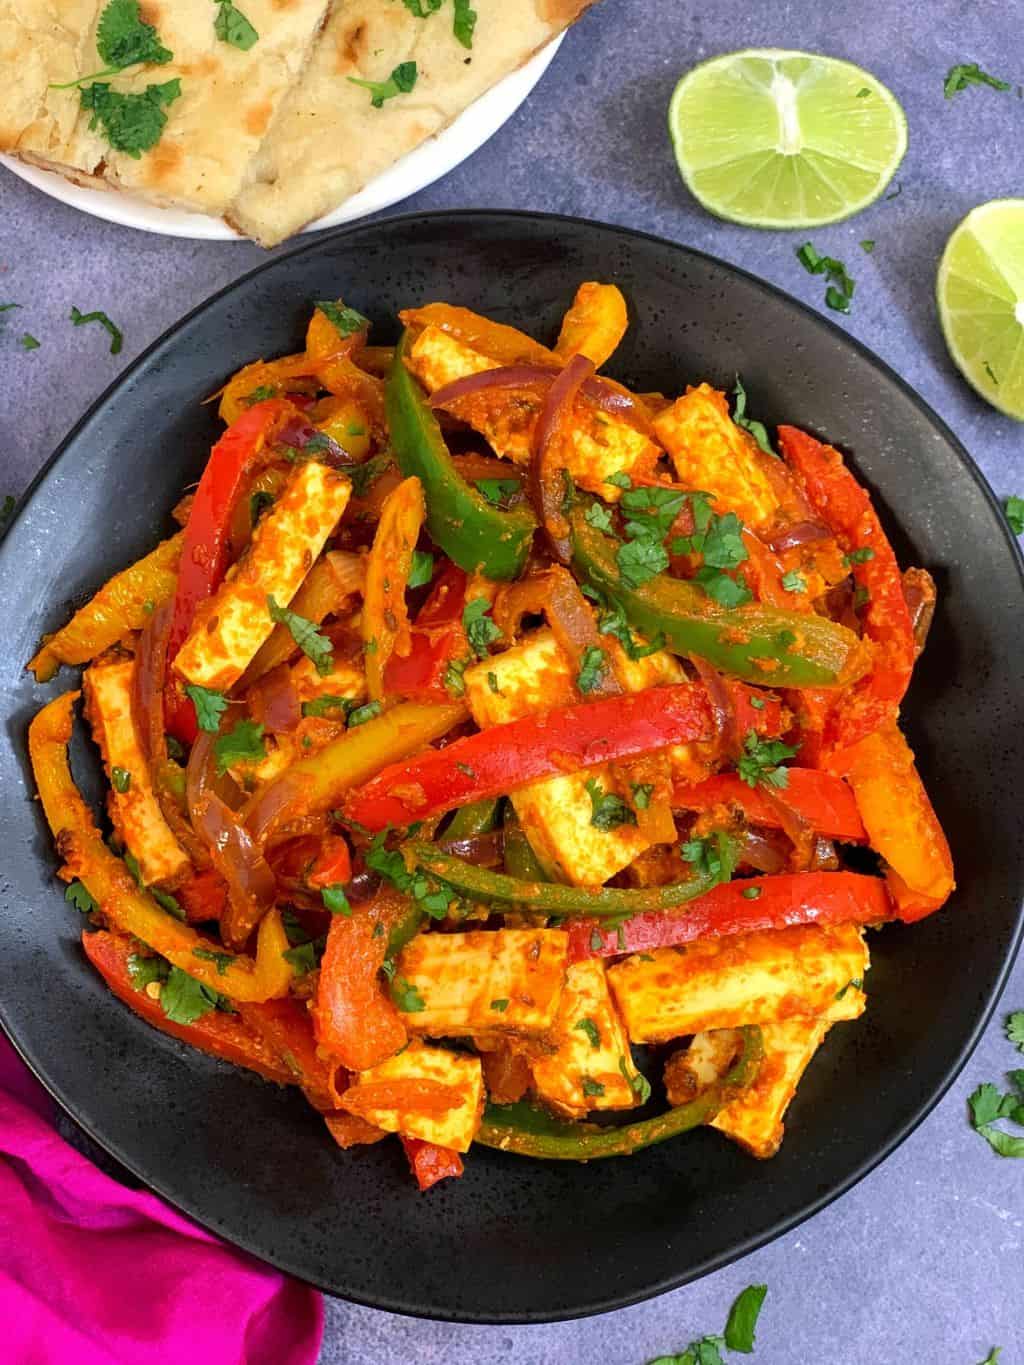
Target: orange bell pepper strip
430 1163
203 896
353 1017
846 509
324 591
900 821
422 1094
286 1027
594 325
502 343
334 358
822 799
436 639
124 603
126 905
385 617
222 1035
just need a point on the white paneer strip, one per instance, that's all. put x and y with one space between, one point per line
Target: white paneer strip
452 1128
135 810
755 1119
230 628
757 978
601 444
585 1063
484 982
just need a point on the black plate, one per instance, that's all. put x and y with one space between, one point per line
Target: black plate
518 1240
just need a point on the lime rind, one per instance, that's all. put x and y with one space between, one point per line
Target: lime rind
773 138
980 296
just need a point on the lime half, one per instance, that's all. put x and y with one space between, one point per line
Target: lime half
778 139
980 293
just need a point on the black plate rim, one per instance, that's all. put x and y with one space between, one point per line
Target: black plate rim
612 1302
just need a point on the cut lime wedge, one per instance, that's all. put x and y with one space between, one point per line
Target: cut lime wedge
980 292
778 139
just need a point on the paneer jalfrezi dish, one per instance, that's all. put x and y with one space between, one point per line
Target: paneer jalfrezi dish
497 754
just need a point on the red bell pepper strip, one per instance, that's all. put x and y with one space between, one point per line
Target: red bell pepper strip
332 866
732 908
497 761
437 639
846 509
222 1035
825 801
287 1029
430 1163
352 1016
204 553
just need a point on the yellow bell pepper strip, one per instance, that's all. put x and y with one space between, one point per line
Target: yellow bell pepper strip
505 344
319 781
527 1130
594 325
265 379
552 898
124 603
334 353
478 536
756 643
324 591
900 821
385 617
125 904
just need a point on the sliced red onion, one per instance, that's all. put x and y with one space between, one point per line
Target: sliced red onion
760 852
483 850
148 682
545 480
273 701
722 707
618 402
503 377
236 856
796 828
800 533
297 434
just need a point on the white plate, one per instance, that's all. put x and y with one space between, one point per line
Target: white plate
421 167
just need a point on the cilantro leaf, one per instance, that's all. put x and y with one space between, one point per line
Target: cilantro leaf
641 560
962 75
1005 1144
121 779
742 1321
422 570
258 504
608 811
116 336
305 634
500 1005
422 9
210 706
241 744
794 581
723 546
651 511
702 1352
359 715
28 342
592 667
1014 508
761 759
739 415
498 491
323 706
642 793
714 856
406 997
588 1027
400 82
367 473
453 677
143 970
592 1088
335 900
123 39
839 293
612 621
184 999
344 320
78 895
726 591
222 961
131 123
481 630
464 22
1015 1028
598 516
867 244
993 1356
620 479
231 26
985 1104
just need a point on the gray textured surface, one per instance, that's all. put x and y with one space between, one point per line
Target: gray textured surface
924 1260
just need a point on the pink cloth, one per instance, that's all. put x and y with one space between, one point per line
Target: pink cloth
92 1273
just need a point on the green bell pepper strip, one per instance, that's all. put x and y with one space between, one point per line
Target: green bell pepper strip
529 1131
475 534
759 644
551 898
520 860
479 817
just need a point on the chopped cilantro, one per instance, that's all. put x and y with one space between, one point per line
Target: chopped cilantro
608 811
638 1083
315 646
500 1005
28 342
492 683
839 294
453 677
650 512
231 26
422 9
592 668
79 319
323 706
713 856
359 715
344 320
243 743
761 759
367 473
260 395
335 900
1014 508
726 591
794 582
588 1027
756 429
463 22
222 961
481 630
78 896
750 893
757 703
741 1324
406 996
498 491
612 621
862 556
620 479
592 1088
400 82
7 510
123 39
258 503
962 75
641 560
863 93
121 779
642 793
422 569
1015 1028
598 516
305 957
184 999
144 970
867 244
131 123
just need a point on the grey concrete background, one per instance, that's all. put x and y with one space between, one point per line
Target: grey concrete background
924 1261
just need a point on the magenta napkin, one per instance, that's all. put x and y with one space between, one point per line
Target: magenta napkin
97 1274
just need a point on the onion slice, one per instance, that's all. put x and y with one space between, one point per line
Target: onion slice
799 533
546 481
236 856
503 377
722 707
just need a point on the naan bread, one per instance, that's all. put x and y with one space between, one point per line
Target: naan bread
328 140
228 97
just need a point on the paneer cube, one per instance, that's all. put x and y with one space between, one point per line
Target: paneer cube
134 807
601 443
452 1128
756 978
711 452
504 982
234 623
585 1061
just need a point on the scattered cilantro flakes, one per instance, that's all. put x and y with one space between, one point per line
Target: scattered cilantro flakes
792 581
612 621
1014 508
481 630
1015 1028
80 319
620 479
232 27
453 678
839 294
642 793
867 244
400 82
726 591
588 1027
993 1356
335 900
703 1352
498 492
964 74
315 646
741 1324
323 706
863 93
123 39
344 320
756 429
260 394
592 668
463 22
131 123
862 556
712 856
422 569
641 560
500 1005
367 473
210 706
759 764
422 9
988 1104
258 504
222 961
406 997
241 744
77 894
492 683
359 715
28 342
591 1088
598 516
650 512
608 811
121 779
